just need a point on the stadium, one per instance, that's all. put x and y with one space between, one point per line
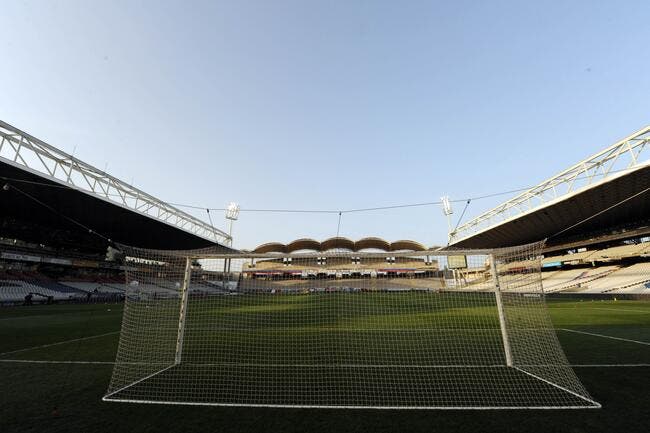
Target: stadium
324 216
132 300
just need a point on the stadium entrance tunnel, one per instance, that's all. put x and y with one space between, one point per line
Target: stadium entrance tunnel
456 329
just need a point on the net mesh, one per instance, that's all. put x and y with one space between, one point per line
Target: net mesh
425 329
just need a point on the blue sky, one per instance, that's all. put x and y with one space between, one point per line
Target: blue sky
327 105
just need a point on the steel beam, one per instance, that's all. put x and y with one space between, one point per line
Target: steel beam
22 150
616 160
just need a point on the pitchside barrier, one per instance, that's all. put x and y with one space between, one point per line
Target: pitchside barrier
452 329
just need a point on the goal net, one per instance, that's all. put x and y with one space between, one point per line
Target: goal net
452 329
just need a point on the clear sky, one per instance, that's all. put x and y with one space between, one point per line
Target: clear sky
327 105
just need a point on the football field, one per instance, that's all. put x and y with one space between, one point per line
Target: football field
56 362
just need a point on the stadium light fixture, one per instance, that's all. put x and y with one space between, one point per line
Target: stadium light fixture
232 211
232 214
448 211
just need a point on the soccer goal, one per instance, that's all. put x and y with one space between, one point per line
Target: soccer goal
451 329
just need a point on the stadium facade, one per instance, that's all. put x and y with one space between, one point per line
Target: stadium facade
60 214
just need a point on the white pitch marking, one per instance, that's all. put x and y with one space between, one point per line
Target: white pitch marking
559 387
137 381
605 336
609 365
58 343
304 406
35 361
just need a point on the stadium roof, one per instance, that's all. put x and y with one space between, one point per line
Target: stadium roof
50 189
605 191
339 243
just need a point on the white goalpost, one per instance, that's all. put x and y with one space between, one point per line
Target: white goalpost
436 329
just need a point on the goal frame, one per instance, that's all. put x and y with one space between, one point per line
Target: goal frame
184 297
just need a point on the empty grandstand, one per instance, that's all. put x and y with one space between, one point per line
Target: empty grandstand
632 278
62 219
33 288
594 215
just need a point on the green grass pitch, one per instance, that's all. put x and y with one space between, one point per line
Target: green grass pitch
76 346
353 349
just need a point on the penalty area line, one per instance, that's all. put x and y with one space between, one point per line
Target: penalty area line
42 346
593 334
361 366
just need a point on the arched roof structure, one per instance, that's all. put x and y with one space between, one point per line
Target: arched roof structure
405 244
303 244
339 242
271 247
372 243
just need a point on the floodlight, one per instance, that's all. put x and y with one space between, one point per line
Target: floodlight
232 211
446 205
